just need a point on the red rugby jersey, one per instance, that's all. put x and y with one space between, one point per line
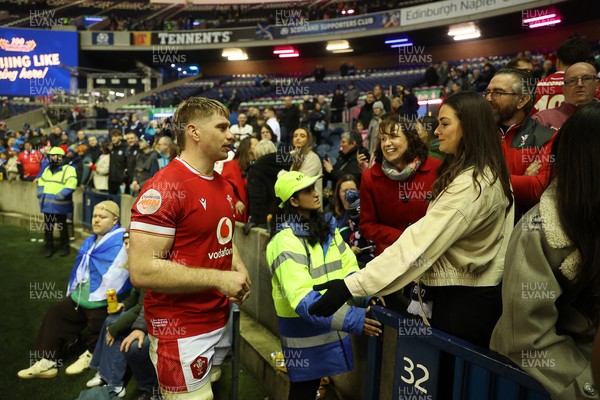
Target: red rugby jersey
198 213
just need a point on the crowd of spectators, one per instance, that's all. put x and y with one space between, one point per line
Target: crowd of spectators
389 156
103 162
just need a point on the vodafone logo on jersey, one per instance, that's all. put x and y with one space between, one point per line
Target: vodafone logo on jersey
224 230
224 235
149 202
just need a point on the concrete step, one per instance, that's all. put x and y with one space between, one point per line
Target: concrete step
256 345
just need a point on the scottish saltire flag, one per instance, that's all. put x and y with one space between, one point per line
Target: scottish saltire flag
264 32
103 264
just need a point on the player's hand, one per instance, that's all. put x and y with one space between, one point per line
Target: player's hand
235 285
240 301
136 334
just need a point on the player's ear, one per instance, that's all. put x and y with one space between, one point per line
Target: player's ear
193 132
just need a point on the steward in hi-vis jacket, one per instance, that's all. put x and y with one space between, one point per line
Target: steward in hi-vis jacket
305 251
55 193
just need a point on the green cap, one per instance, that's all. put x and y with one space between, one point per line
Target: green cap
290 182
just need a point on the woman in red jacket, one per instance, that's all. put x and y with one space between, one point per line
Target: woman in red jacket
236 173
396 191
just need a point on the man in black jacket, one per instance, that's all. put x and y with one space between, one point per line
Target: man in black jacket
132 151
118 162
101 116
93 151
145 164
347 162
54 137
290 118
366 111
380 96
337 105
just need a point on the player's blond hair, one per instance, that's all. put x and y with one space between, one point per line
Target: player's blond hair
194 109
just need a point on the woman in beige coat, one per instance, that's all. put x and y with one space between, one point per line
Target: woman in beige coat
551 289
458 247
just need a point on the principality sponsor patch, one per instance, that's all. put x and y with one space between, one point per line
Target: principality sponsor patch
149 202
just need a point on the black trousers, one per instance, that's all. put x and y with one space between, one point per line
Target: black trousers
305 390
114 187
469 313
63 322
60 221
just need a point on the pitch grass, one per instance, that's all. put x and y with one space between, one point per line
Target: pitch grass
30 285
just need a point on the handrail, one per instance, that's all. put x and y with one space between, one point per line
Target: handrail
418 370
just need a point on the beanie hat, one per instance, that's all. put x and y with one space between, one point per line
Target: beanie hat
378 104
353 199
149 139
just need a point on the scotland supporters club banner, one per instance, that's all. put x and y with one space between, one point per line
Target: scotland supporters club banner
290 23
35 62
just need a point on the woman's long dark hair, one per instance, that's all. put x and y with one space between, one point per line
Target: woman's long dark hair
317 228
243 153
268 127
575 151
301 153
478 148
395 124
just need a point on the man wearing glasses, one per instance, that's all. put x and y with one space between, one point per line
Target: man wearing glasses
526 143
549 91
580 85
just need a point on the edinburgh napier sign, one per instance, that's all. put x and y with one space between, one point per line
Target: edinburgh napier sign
192 38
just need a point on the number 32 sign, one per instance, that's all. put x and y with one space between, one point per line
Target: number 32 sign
418 373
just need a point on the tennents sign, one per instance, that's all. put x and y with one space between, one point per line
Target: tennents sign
191 38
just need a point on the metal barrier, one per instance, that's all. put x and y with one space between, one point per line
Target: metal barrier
90 199
425 358
235 362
